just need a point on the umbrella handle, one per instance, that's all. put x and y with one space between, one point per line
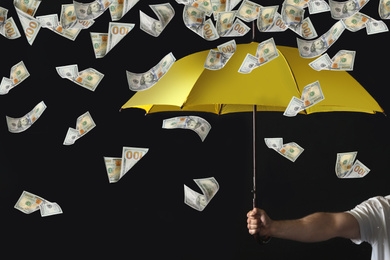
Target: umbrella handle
261 240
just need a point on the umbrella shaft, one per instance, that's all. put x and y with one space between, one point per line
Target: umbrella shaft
254 156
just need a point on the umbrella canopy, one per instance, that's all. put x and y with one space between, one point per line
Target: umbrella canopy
188 86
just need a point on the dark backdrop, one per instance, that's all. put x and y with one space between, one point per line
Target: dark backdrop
143 216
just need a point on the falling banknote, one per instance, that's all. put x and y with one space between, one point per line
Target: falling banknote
8 26
143 81
343 60
209 187
266 51
26 11
341 10
18 74
217 59
51 22
314 48
384 9
164 12
84 124
194 123
195 20
311 95
290 150
118 167
119 8
92 10
346 168
88 78
104 42
18 125
68 19
29 203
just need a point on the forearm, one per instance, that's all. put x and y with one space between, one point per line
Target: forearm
312 228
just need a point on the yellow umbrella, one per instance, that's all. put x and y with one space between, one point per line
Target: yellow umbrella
188 86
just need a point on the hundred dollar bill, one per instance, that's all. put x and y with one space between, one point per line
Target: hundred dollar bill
274 143
92 10
130 156
89 78
295 106
31 25
68 19
217 59
29 7
343 60
70 34
5 86
28 202
356 22
9 29
18 74
374 26
314 48
239 28
49 209
18 125
208 186
305 29
68 72
113 168
291 151
119 8
194 19
344 162
318 6
278 24
224 22
341 10
312 94
266 51
143 81
298 3
323 62
3 15
194 123
384 9
358 170
218 6
292 15
248 11
104 42
164 12
204 5
48 21
250 63
266 17
84 124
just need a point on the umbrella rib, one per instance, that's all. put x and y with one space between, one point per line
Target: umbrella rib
292 73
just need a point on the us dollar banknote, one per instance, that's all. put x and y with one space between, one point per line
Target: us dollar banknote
311 95
68 19
318 6
314 48
84 124
92 10
384 9
217 59
29 203
358 170
344 9
344 163
195 20
343 60
291 151
18 125
248 11
18 74
144 81
104 42
88 78
8 27
164 12
194 123
198 201
265 52
119 8
30 25
275 143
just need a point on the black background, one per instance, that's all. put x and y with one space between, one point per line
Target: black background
143 216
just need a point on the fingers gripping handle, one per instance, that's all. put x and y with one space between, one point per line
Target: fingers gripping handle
261 240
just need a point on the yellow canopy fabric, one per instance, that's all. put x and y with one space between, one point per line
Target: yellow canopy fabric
188 86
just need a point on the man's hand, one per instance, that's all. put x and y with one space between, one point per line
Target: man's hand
259 223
